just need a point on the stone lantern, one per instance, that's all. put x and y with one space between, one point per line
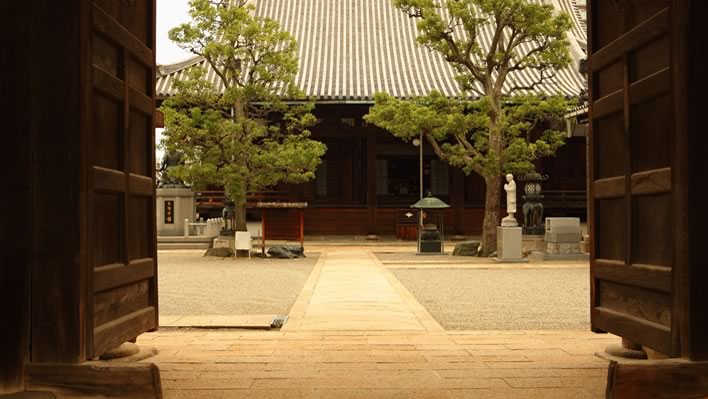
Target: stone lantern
533 208
430 235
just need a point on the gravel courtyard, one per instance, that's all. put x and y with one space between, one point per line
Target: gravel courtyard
502 299
191 284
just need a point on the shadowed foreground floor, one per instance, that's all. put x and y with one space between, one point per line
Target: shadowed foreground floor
357 364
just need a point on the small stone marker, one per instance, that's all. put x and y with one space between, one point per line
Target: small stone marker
466 248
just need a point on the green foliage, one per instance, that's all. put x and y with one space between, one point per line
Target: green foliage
491 135
459 129
243 137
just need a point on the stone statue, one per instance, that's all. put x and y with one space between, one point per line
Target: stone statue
229 216
510 188
165 180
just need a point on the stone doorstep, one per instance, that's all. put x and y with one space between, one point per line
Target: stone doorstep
252 322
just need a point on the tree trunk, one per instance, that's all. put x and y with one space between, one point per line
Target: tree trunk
492 178
240 222
491 215
240 216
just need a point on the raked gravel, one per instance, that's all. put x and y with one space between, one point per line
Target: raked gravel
191 284
511 299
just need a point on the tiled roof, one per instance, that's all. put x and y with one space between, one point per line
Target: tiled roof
351 49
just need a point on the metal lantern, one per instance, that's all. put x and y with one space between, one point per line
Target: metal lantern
533 208
430 237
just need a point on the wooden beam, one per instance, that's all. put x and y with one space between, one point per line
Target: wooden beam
653 335
97 380
110 276
651 182
662 379
611 187
645 276
110 335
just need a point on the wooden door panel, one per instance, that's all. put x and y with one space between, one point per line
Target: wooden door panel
124 295
631 144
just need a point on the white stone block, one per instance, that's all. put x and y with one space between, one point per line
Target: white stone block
563 230
509 243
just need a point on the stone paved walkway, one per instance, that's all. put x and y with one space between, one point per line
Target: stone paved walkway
356 332
352 291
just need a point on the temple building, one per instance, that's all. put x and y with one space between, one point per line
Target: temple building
351 49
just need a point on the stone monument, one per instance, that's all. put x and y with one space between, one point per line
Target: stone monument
175 200
562 238
509 240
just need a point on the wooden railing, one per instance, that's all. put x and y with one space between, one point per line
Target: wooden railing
216 198
564 199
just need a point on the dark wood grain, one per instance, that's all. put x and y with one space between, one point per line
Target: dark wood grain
112 29
108 180
645 276
657 380
653 27
106 277
141 185
112 334
608 105
611 187
15 173
690 181
649 87
57 300
632 284
651 182
636 329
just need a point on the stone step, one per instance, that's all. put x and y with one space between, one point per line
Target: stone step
182 245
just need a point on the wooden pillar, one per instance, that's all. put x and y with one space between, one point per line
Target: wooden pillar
15 226
371 174
263 231
302 230
60 264
457 199
688 60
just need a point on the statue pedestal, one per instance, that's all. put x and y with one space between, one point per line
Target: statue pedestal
173 206
509 245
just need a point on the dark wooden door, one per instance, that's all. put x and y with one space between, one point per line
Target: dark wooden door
631 151
121 167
